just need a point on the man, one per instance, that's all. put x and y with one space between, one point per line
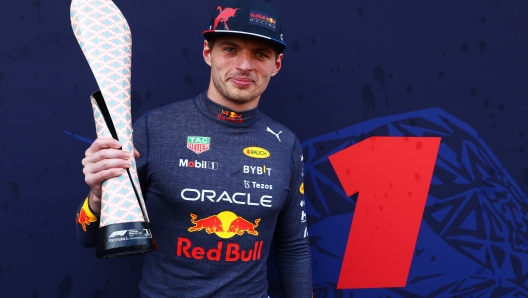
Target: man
217 157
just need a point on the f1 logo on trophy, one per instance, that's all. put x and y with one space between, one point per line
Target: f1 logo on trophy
106 41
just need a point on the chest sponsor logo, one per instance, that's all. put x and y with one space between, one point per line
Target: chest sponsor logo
225 225
198 144
206 195
256 170
274 133
256 152
198 164
253 184
232 252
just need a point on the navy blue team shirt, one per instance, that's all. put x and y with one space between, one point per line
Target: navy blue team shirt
219 186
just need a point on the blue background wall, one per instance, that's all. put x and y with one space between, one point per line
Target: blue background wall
362 67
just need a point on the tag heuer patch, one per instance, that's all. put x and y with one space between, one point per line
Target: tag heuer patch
198 144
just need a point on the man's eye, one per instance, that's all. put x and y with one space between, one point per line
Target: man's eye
261 55
229 50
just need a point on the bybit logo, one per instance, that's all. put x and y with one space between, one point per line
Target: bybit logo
257 170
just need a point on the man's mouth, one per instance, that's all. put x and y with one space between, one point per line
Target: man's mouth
241 81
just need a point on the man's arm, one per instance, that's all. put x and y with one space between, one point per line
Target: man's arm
87 224
292 248
103 160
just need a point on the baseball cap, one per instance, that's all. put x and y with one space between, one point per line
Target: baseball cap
247 17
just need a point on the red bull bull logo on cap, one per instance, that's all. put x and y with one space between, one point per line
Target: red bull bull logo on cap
224 16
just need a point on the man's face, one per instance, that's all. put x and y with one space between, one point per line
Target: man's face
240 69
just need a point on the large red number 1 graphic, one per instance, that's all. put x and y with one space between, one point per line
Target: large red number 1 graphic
392 176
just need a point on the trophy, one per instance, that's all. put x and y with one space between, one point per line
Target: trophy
106 41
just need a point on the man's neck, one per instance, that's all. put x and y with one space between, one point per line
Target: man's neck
218 98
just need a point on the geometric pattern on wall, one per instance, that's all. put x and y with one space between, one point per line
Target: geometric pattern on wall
473 241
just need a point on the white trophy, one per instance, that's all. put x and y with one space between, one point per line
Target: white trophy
106 41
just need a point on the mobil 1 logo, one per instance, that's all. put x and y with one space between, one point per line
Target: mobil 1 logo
198 164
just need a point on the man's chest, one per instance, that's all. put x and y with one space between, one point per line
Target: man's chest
198 169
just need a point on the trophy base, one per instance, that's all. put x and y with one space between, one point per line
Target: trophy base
123 239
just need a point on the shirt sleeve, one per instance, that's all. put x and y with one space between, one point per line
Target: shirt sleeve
140 135
292 248
86 225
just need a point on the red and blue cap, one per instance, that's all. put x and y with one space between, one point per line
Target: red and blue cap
254 18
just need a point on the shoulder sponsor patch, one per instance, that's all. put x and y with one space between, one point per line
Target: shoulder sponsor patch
256 152
85 216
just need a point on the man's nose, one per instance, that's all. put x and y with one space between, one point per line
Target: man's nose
245 61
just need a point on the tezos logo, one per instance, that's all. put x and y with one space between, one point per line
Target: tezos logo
256 152
198 144
253 184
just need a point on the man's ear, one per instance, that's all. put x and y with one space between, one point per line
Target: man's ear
278 64
207 53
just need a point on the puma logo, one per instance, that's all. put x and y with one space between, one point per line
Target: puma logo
276 134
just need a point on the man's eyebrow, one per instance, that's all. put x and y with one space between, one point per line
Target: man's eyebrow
259 48
265 49
228 43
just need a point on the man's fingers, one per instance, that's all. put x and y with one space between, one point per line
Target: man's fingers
105 154
106 164
96 179
104 160
102 143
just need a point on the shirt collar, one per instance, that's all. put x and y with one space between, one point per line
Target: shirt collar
223 114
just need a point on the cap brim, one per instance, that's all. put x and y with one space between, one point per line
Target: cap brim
213 33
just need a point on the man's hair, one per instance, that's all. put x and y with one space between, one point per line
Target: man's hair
278 51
